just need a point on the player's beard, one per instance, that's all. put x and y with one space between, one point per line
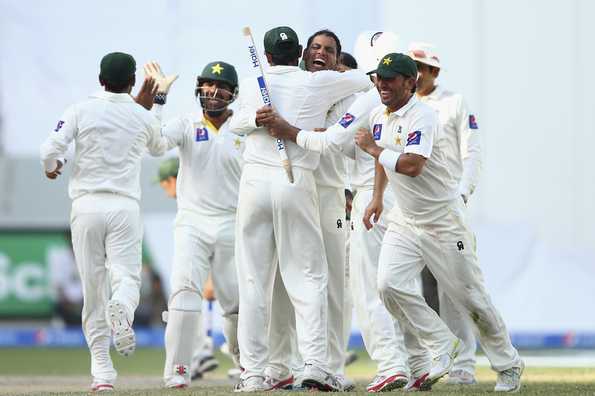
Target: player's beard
214 106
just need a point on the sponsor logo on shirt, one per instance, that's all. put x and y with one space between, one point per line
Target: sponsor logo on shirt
413 138
202 134
377 131
472 122
60 124
346 120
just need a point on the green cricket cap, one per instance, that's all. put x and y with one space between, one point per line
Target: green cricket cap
219 71
168 168
392 64
117 68
282 40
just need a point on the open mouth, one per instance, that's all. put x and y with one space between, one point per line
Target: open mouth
319 62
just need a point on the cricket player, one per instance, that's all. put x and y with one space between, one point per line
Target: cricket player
279 221
207 196
383 338
322 52
111 134
203 359
463 157
427 227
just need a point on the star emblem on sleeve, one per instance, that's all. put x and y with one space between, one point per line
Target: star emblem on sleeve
217 69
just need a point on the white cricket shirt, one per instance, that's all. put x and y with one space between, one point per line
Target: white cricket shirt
463 145
331 171
302 98
111 133
415 128
341 135
210 164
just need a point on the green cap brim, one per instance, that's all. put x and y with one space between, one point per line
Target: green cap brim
384 74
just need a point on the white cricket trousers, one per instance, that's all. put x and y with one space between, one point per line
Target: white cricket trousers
278 224
446 247
203 244
462 326
107 242
282 326
388 346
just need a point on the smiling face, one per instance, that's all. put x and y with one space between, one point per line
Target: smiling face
322 54
395 91
214 95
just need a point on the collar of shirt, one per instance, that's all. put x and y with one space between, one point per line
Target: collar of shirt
113 97
434 95
401 112
281 69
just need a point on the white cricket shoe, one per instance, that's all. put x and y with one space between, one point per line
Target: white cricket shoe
442 364
122 332
387 383
347 384
510 380
285 383
415 384
251 384
460 377
176 382
316 378
102 386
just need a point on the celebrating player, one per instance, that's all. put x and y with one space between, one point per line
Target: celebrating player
279 220
428 226
111 134
207 194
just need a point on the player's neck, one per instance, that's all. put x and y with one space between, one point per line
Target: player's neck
426 91
399 104
219 120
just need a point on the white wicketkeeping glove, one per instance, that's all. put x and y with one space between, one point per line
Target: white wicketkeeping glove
153 69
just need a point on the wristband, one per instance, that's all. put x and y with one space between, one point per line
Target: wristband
389 159
160 98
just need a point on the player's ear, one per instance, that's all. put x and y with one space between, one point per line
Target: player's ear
101 82
301 50
269 58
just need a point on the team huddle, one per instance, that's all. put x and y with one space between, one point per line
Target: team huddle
274 248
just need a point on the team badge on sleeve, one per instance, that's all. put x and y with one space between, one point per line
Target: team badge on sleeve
60 124
413 138
346 120
202 134
377 131
472 122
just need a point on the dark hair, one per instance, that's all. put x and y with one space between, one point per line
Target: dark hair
117 88
348 60
284 59
328 33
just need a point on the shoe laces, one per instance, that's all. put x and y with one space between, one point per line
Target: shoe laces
509 376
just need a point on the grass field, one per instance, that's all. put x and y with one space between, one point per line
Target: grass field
66 372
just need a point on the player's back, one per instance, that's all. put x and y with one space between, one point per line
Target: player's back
112 136
303 99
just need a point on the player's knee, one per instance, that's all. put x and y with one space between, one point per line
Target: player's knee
186 300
